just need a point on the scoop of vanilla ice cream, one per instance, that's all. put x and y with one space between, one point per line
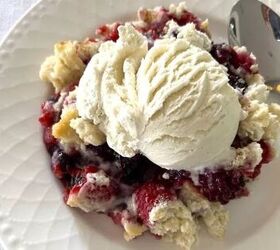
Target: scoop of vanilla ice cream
191 113
172 103
107 91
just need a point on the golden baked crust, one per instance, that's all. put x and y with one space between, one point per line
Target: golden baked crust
88 132
62 129
67 65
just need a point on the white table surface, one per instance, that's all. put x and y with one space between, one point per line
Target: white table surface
10 12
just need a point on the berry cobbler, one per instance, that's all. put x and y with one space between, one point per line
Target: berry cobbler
157 126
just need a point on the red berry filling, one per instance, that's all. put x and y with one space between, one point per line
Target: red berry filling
155 29
267 154
95 192
49 115
267 157
226 55
222 185
109 32
132 173
49 140
148 195
238 64
148 183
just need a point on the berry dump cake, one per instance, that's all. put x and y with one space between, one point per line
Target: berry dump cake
155 125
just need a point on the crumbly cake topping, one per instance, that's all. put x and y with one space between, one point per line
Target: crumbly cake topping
174 222
262 121
62 129
88 132
213 214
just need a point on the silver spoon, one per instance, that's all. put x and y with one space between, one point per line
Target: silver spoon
256 26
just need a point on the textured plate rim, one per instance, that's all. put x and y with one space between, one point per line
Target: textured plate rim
17 22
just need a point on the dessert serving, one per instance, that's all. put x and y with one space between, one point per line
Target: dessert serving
155 125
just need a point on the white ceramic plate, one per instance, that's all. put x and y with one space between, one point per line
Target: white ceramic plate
32 213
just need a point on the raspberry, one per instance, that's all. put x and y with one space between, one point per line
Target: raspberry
109 32
149 195
238 64
188 17
95 192
57 170
60 162
46 119
176 178
116 216
267 154
48 116
222 185
77 176
92 193
49 140
245 61
227 56
96 189
223 53
90 169
156 29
